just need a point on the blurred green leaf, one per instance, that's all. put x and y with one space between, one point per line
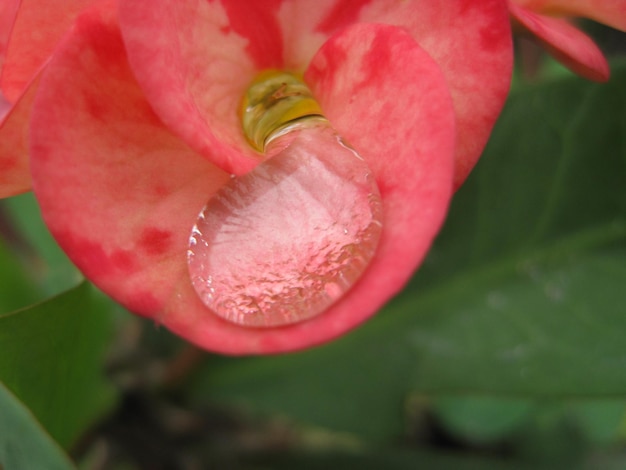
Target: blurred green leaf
554 435
52 357
404 460
523 294
493 420
482 419
387 460
600 420
49 268
23 443
17 291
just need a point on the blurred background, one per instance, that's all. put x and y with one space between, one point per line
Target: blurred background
506 350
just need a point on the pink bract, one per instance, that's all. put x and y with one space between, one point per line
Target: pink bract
548 21
194 85
609 12
135 127
29 32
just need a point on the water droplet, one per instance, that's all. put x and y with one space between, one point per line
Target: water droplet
285 241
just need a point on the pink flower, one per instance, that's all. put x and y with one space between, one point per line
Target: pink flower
134 127
547 21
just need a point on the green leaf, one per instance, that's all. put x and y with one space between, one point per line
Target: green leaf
16 290
522 295
387 460
600 420
482 419
489 420
49 268
23 443
52 358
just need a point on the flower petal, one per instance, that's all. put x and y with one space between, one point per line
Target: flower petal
565 42
5 106
15 175
8 10
119 192
37 29
196 74
610 12
471 42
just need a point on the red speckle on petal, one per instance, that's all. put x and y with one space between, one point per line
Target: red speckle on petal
122 260
332 61
491 34
95 107
94 260
144 303
161 191
257 22
155 241
489 37
104 37
377 59
342 15
6 163
465 5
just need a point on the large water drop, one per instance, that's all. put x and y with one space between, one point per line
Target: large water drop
282 243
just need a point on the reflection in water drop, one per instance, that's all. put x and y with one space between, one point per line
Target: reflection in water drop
285 241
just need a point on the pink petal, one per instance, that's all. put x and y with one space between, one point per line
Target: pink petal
8 9
37 29
195 75
15 175
5 106
117 189
121 194
609 12
471 42
565 42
